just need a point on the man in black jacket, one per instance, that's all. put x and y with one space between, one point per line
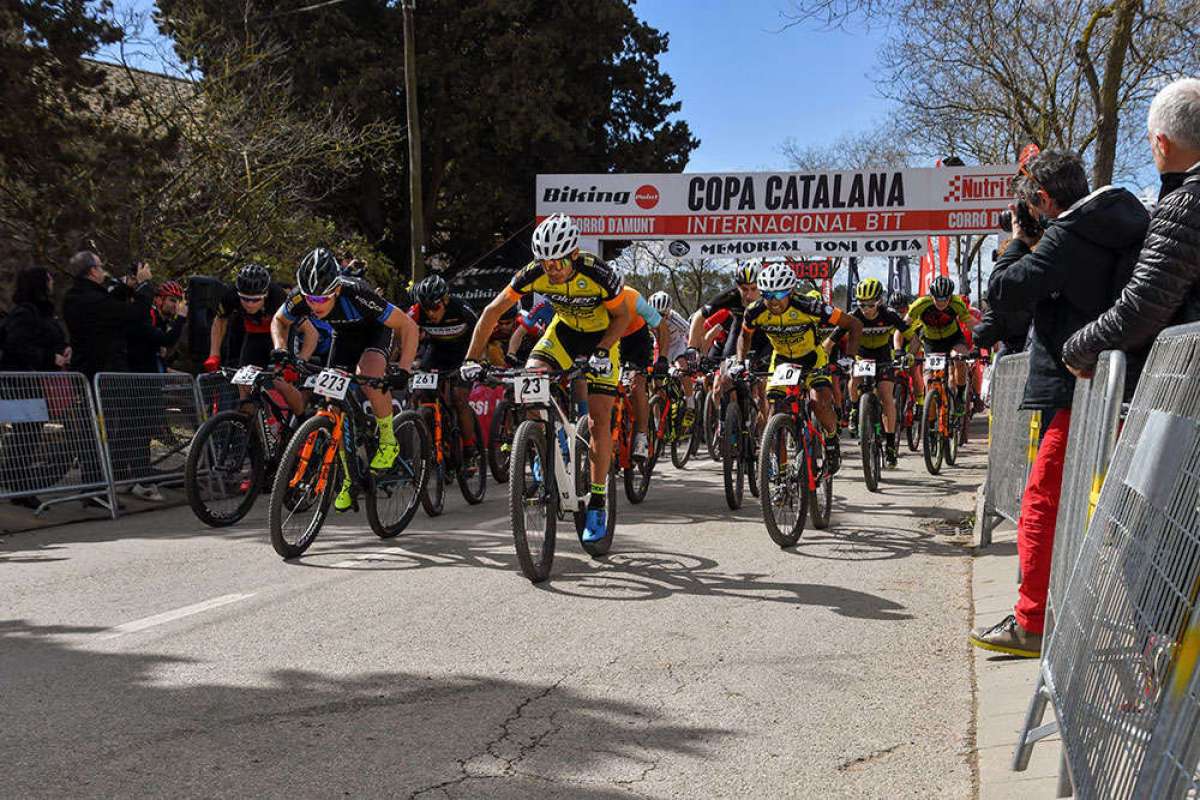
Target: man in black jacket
1165 287
1067 277
1009 328
99 316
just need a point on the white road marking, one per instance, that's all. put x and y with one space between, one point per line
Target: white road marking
357 561
170 616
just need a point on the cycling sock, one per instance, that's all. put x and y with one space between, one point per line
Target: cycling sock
960 394
596 501
890 439
386 434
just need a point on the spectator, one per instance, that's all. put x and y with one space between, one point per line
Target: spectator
99 316
1067 277
1165 286
1009 329
160 325
33 338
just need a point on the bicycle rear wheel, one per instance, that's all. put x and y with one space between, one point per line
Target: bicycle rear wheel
931 435
500 436
821 497
308 477
392 501
711 426
914 416
732 463
951 440
472 472
532 500
224 470
782 476
433 494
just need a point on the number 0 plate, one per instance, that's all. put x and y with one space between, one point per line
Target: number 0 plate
531 389
245 376
935 361
787 375
423 380
864 369
332 383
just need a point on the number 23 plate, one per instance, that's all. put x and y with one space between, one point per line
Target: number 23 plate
531 389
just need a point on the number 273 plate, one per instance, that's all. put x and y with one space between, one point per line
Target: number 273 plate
332 383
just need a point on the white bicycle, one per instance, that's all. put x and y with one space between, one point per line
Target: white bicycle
549 468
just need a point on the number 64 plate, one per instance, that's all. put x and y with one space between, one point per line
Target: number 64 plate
531 389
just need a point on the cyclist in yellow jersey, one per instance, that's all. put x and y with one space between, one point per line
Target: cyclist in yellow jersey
589 318
939 316
789 321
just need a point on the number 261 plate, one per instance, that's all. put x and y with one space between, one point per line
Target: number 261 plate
423 380
332 383
531 389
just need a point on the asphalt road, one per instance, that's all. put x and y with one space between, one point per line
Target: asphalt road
153 656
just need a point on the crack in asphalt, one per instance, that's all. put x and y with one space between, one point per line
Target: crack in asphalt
869 757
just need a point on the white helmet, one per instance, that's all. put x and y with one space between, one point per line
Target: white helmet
776 278
556 237
660 302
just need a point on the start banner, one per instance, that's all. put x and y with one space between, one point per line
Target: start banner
859 204
796 246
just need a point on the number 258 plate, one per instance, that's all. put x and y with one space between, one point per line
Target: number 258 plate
245 376
332 383
531 389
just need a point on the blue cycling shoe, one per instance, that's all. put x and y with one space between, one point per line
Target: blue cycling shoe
595 526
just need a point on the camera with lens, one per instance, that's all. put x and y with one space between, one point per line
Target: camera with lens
1025 218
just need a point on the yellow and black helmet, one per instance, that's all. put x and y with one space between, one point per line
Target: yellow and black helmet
869 290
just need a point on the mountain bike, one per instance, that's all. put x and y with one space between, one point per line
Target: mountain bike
738 434
908 413
673 426
234 454
939 433
429 395
791 465
341 437
549 470
637 472
871 434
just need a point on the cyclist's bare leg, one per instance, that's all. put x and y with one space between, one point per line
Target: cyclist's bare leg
959 373
291 395
373 364
822 397
600 413
460 400
887 398
641 405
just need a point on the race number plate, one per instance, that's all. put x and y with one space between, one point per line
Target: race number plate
310 381
531 389
245 376
864 369
935 361
423 380
332 383
787 375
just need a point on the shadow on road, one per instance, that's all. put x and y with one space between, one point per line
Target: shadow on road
85 720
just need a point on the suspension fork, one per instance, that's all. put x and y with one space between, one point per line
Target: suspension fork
437 427
327 457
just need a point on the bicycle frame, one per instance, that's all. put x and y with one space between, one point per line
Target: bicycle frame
552 416
801 410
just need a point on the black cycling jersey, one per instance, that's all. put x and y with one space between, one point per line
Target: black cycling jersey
230 308
453 330
357 308
730 299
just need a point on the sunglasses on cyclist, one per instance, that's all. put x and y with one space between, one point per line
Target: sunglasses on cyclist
778 294
317 299
252 298
556 263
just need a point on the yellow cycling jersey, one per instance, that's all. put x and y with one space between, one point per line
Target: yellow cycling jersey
792 333
582 302
935 323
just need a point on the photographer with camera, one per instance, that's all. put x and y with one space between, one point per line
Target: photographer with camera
100 315
1071 254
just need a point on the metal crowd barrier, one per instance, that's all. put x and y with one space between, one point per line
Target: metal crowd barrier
214 394
1095 419
1010 454
1120 665
148 421
50 443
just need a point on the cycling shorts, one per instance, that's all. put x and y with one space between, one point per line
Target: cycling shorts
880 355
814 359
638 348
944 345
561 345
256 350
439 357
350 345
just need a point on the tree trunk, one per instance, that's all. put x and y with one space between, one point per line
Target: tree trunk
1107 111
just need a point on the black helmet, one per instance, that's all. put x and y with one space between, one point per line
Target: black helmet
253 279
941 288
318 272
901 300
430 290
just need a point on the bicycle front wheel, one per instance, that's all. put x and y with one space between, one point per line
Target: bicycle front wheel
821 497
782 477
392 501
931 434
532 500
309 475
224 470
868 440
732 462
